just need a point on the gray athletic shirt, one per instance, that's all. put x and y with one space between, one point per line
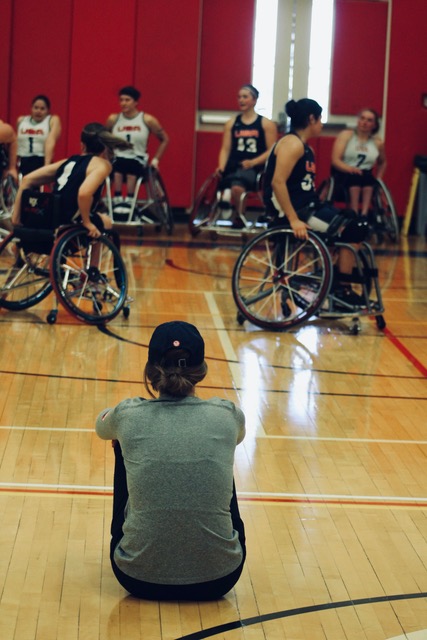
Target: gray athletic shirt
179 456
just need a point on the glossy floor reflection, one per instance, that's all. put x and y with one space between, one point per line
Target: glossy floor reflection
331 475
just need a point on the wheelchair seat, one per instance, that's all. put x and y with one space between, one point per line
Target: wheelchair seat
212 210
87 275
151 207
382 217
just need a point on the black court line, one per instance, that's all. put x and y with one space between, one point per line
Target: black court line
235 244
246 622
104 329
214 387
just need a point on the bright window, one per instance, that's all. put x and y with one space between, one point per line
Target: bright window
320 38
319 74
264 54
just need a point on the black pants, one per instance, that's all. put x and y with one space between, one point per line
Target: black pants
211 590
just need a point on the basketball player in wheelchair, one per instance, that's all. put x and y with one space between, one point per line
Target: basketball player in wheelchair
60 241
291 199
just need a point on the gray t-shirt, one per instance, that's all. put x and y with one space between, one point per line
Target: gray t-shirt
179 456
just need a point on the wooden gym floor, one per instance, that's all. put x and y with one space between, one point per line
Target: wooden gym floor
332 475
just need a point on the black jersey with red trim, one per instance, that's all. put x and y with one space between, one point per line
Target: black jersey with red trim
300 183
69 177
247 142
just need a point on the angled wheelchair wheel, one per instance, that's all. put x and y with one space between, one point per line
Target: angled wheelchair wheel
203 210
162 206
24 275
325 191
279 281
385 219
8 191
88 276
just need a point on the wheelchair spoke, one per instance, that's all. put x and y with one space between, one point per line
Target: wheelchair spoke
279 281
90 277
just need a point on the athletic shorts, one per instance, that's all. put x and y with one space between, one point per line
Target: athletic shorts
347 180
246 178
27 164
130 166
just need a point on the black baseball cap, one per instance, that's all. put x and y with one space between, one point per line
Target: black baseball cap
176 335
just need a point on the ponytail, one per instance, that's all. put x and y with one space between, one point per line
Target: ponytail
97 138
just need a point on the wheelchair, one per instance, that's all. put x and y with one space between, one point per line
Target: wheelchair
152 207
279 282
8 191
211 212
382 217
87 275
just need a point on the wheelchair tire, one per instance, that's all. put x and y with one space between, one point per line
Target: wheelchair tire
162 207
204 206
88 276
24 275
279 281
8 191
385 219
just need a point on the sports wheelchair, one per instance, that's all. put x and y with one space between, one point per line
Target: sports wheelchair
210 210
382 217
279 282
87 275
7 193
149 207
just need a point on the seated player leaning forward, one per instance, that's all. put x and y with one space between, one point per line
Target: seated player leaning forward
176 528
78 180
290 195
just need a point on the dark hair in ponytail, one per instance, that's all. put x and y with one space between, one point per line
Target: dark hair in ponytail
169 378
97 138
300 111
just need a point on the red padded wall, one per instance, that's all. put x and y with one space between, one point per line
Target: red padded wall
5 51
40 58
166 71
406 124
359 51
226 51
102 60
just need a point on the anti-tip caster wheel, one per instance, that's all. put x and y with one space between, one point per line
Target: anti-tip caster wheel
240 318
126 312
51 317
355 327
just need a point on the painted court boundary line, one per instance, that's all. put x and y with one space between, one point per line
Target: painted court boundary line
91 431
276 615
405 352
265 497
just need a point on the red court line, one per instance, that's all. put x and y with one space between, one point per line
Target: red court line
323 501
405 352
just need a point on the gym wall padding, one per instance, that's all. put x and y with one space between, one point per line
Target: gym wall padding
358 64
226 52
194 55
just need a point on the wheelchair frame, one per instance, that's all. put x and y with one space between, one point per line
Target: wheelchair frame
87 275
382 218
280 282
209 211
154 209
